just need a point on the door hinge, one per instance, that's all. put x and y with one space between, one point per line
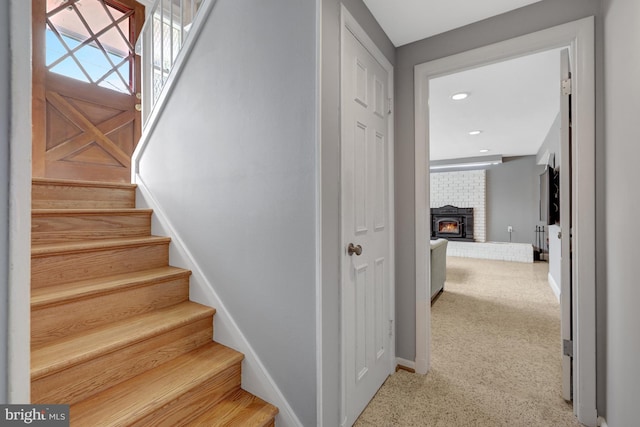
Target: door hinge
567 348
390 327
390 101
566 86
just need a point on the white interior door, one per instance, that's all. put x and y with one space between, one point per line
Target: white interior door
366 267
566 293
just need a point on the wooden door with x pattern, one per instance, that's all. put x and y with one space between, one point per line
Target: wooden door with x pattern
86 78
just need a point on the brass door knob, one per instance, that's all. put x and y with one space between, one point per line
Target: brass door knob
354 249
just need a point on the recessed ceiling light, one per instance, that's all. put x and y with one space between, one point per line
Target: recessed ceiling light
459 96
475 132
484 150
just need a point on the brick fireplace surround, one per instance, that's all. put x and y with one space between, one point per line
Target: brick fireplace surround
464 189
467 189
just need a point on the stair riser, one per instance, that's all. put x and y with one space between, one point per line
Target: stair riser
56 269
81 381
69 228
194 402
58 321
63 196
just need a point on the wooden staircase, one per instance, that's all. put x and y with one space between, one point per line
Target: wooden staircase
113 332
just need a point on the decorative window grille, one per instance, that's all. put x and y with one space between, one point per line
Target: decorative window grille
91 41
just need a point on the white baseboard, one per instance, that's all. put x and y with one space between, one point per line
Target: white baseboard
255 377
602 422
406 363
554 286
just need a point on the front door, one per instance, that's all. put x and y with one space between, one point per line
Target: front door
366 261
85 85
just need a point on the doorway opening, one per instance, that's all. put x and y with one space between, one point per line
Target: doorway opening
579 36
510 112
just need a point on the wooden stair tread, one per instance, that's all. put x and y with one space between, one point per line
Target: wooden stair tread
45 249
121 404
238 409
72 350
89 211
50 213
47 296
81 183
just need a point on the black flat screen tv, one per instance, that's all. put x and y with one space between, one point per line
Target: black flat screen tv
549 196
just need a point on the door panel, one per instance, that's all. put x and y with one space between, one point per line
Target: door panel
360 171
86 77
379 307
566 294
361 320
380 170
365 204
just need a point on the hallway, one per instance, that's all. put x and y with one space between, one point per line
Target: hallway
495 354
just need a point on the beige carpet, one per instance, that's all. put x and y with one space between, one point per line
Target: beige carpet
495 355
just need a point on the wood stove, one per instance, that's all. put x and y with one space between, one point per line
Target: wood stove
452 223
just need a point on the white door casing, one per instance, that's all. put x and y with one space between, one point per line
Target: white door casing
18 304
367 328
565 223
579 36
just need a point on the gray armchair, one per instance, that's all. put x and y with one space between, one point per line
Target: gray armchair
438 265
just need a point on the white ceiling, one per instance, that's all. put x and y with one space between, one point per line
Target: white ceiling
514 103
406 21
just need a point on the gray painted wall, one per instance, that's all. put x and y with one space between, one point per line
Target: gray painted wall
513 191
622 66
5 116
233 165
551 143
330 158
535 17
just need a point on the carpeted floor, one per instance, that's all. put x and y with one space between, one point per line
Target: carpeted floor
495 355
